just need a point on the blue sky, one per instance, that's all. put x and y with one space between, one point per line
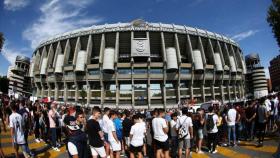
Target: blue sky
27 22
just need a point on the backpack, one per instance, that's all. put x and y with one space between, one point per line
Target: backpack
183 131
210 123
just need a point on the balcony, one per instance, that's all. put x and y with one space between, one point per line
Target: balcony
71 94
51 79
61 93
95 94
69 77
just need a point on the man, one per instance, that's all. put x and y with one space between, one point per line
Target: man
95 134
137 134
105 120
80 117
212 131
250 115
115 144
77 142
160 130
127 123
17 133
185 122
231 120
174 135
53 117
263 115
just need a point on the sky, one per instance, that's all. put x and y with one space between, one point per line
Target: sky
27 22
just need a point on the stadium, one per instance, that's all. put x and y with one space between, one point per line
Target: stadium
138 65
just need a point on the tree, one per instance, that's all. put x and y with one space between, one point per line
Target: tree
2 39
83 94
4 82
273 18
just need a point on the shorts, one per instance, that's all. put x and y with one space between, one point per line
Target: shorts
200 133
106 137
135 149
161 145
95 151
115 146
184 143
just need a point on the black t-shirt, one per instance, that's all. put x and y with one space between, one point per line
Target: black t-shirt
92 129
127 123
249 112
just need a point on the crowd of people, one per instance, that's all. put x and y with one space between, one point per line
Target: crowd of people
160 133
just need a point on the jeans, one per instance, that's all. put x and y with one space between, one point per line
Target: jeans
212 141
250 126
261 131
238 127
174 146
53 136
231 129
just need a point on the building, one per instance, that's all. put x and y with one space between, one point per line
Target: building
18 75
9 72
256 84
274 71
138 65
269 85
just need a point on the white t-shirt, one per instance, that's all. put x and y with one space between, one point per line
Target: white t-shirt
268 105
215 119
105 120
231 117
17 123
111 128
185 121
158 125
173 128
138 133
72 149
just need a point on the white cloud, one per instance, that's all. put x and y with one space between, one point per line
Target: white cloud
243 35
14 5
10 54
59 16
267 75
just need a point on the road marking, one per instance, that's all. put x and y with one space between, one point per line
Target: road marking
230 153
10 150
52 153
196 155
266 148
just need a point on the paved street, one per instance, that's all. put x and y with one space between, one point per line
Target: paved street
244 150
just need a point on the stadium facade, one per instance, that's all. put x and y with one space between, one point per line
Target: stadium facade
139 65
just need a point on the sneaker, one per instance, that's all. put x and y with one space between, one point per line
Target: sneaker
37 140
41 140
214 152
55 149
200 152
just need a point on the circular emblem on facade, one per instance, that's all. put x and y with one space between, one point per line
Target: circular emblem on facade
140 46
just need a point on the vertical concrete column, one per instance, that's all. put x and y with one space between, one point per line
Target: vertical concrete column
102 94
202 92
65 97
56 91
88 91
213 91
117 92
49 89
178 85
222 92
149 84
76 92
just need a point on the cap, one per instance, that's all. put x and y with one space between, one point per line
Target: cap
70 122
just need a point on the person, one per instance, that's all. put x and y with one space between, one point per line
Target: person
36 117
185 122
263 114
53 121
81 121
17 133
160 130
212 130
77 140
95 134
137 134
115 144
199 125
250 115
127 124
105 120
231 120
118 124
174 135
